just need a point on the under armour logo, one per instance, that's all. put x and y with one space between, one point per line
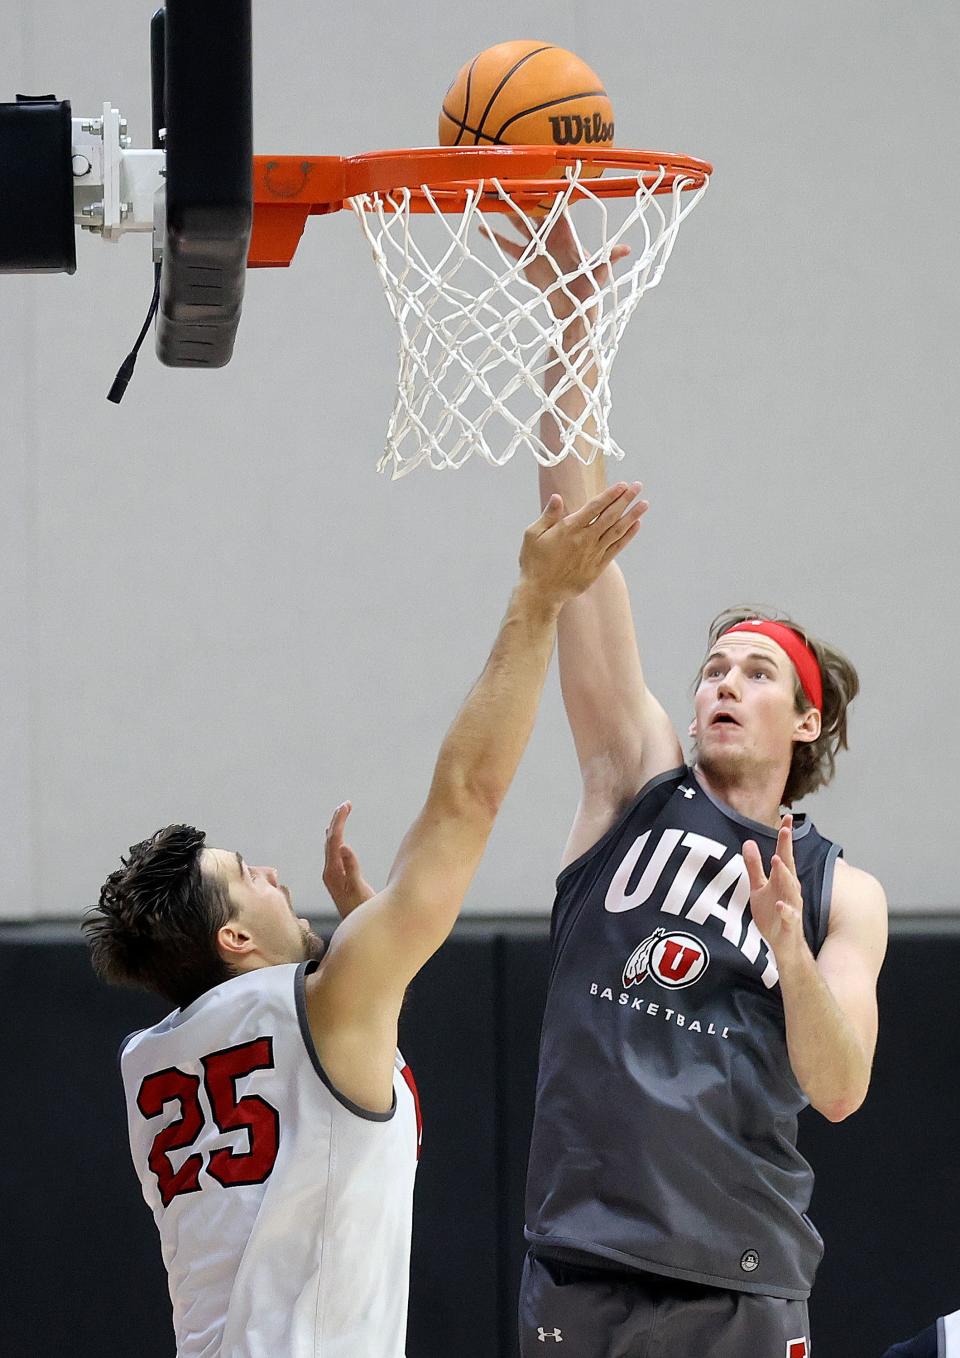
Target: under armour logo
544 1335
688 792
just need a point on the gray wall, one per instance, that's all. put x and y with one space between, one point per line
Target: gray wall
215 611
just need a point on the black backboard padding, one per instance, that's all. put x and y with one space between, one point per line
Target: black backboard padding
158 64
209 187
36 187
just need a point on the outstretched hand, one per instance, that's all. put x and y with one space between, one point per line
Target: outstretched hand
776 902
563 555
341 869
561 258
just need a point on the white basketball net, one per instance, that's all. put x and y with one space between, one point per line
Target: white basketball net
478 340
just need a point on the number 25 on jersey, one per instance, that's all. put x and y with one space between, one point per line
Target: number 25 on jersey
252 1114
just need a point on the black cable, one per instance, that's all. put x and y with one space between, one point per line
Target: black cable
125 371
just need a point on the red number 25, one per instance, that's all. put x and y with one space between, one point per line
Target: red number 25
260 1120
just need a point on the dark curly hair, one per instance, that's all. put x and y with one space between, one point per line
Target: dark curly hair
156 923
813 764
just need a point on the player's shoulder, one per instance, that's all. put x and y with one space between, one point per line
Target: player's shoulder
858 887
858 906
597 826
272 988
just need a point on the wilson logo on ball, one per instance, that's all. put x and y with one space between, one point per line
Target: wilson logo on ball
528 93
673 960
570 129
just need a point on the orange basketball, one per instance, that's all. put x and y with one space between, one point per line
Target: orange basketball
527 93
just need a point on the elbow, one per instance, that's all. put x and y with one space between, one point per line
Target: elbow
840 1109
485 796
470 797
836 1112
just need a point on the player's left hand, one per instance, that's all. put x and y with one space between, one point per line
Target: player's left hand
776 902
563 554
341 868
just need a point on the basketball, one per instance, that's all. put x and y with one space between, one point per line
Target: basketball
527 93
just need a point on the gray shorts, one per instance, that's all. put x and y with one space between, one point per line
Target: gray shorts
594 1313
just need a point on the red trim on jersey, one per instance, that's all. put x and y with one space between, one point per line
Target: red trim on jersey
407 1074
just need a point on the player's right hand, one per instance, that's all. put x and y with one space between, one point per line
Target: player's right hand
341 868
562 258
562 555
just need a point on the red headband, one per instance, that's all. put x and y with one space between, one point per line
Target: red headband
803 658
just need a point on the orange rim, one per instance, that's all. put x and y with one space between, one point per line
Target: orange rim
288 189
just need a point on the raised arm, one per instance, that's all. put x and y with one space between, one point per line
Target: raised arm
622 734
355 995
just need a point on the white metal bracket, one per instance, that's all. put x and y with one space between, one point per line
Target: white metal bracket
116 189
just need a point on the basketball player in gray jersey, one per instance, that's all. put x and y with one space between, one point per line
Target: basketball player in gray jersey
714 970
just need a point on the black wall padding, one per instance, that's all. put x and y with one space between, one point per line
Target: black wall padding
525 964
887 1200
449 1038
208 111
79 1256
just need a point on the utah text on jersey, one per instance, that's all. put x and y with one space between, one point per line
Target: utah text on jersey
730 881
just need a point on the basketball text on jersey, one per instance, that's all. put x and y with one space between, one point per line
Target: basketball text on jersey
665 1012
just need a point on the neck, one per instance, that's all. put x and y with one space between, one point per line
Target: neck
757 798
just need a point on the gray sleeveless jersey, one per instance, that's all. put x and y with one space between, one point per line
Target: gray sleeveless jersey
666 1119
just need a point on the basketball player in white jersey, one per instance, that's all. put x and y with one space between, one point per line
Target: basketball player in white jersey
941 1340
715 967
272 1122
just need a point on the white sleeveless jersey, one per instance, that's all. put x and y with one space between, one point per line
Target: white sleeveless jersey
284 1210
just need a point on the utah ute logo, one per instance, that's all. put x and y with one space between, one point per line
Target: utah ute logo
673 960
